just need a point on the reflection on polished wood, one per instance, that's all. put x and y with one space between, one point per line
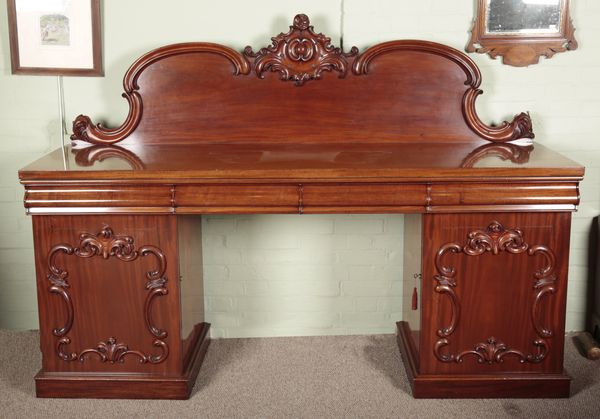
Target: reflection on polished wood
98 153
514 153
301 127
330 162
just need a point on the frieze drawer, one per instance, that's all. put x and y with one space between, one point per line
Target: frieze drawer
236 198
98 198
316 198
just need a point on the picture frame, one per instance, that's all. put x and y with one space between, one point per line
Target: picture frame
522 32
55 37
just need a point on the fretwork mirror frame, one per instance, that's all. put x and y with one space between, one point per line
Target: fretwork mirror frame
521 48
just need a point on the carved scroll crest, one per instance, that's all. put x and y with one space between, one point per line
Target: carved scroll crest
494 239
300 55
106 244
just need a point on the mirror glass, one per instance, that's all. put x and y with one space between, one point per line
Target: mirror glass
523 16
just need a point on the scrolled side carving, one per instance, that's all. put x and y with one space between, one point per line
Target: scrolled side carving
155 286
544 285
300 54
85 130
520 127
60 350
58 278
446 279
106 244
494 239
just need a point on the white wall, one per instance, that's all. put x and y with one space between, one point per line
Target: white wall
296 275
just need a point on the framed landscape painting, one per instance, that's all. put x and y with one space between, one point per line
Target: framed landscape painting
55 37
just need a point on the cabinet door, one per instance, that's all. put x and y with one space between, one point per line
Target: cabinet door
108 293
494 292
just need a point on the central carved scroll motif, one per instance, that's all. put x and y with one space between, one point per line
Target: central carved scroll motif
106 244
300 54
494 239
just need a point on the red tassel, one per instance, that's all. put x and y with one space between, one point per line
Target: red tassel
415 299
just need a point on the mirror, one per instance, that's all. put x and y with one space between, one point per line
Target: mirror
520 31
524 16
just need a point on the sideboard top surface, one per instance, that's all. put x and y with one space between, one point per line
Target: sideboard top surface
326 162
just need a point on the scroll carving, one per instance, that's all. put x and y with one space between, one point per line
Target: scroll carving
111 351
494 239
520 127
106 244
300 55
85 130
492 351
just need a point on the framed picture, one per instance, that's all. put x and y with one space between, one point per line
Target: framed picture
55 37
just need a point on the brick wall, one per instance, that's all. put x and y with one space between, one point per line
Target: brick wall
303 275
311 274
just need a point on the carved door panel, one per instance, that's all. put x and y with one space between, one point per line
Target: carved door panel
494 288
107 292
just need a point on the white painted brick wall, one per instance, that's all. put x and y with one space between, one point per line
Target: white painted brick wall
295 275
298 275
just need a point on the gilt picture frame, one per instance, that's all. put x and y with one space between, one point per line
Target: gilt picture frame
522 31
55 37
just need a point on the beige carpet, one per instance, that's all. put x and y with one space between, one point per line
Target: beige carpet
306 377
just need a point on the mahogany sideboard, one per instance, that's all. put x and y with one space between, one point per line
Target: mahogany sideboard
302 127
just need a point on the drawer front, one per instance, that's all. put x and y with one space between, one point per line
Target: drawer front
505 194
237 198
364 195
41 199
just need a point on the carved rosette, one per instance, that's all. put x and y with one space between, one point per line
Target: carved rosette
494 239
106 244
300 54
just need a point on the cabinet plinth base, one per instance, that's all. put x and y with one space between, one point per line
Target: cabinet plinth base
509 385
126 386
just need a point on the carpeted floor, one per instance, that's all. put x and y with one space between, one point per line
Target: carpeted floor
309 377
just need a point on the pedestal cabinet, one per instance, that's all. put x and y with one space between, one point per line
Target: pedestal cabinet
491 315
121 305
